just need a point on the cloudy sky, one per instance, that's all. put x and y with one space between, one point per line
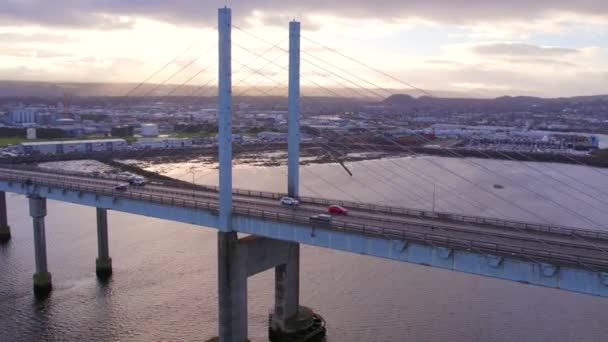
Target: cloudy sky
472 47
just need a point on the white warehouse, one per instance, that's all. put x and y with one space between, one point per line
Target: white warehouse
149 130
71 146
151 143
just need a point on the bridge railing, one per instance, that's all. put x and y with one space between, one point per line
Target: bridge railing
390 233
595 234
104 190
538 227
480 220
534 254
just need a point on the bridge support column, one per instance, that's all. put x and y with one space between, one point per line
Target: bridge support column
42 277
103 264
239 259
289 321
232 288
5 229
286 288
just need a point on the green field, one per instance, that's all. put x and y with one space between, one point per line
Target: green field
11 141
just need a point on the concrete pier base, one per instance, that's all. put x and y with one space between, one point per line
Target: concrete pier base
5 234
232 289
42 284
42 277
5 229
286 287
291 322
305 326
239 259
103 263
103 267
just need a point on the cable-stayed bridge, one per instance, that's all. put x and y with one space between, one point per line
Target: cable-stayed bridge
570 259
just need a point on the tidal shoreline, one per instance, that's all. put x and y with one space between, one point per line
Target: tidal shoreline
275 154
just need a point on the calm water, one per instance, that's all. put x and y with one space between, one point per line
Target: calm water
164 283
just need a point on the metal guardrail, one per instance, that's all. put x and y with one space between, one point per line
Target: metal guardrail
397 234
98 190
463 218
544 228
434 239
537 227
406 224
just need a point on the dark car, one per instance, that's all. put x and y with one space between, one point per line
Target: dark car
121 187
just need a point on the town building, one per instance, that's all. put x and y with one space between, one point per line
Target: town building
153 143
72 146
22 115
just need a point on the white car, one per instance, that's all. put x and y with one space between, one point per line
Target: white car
321 217
138 181
289 201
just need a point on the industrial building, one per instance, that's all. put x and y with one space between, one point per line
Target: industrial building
22 115
272 136
149 130
122 131
72 146
152 143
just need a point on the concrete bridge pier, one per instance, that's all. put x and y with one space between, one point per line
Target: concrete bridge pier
239 259
286 289
5 229
290 321
103 264
42 277
232 289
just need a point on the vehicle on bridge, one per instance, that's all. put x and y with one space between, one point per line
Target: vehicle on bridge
336 209
122 187
289 201
325 218
137 181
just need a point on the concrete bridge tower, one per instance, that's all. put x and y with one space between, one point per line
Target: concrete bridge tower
240 258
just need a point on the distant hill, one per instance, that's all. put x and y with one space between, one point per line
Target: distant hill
444 101
399 100
57 89
502 104
49 89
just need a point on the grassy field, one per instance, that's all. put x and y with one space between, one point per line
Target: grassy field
11 141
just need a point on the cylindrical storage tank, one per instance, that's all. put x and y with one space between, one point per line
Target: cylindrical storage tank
149 130
31 133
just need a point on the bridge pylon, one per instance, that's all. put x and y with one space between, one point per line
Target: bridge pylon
240 258
288 319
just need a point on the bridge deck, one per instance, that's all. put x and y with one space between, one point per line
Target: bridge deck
557 245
